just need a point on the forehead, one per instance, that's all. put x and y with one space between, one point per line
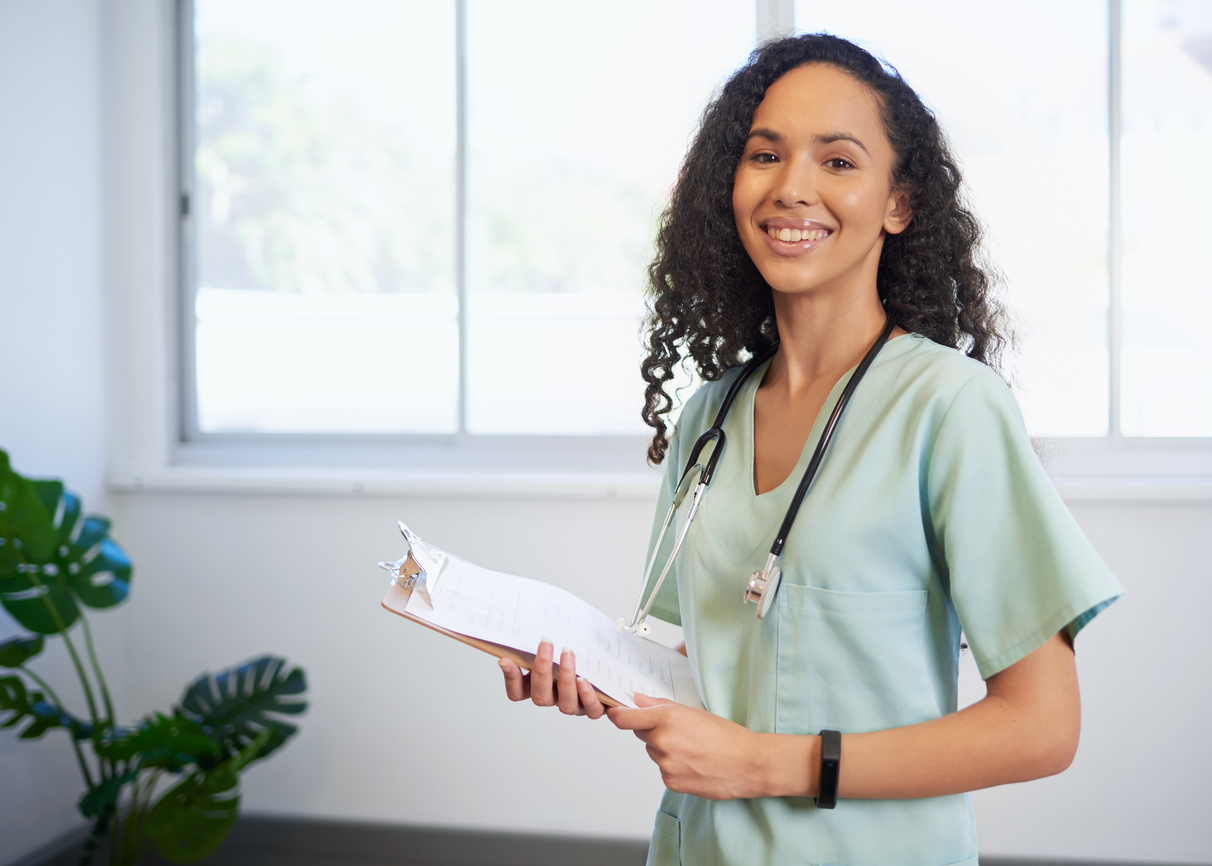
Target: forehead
819 98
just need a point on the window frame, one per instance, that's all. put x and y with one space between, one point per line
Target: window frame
1111 456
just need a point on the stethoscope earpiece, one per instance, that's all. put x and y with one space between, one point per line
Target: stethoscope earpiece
643 629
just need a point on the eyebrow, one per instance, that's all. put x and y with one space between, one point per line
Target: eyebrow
822 138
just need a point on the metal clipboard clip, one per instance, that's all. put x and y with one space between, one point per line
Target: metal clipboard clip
419 569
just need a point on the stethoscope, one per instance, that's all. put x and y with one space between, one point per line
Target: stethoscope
763 585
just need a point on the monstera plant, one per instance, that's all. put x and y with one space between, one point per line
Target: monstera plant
170 780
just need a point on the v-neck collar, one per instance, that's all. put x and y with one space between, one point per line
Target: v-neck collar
749 399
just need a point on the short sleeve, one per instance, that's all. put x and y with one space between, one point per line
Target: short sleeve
1018 567
666 605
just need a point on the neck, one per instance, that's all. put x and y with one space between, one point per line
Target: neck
822 335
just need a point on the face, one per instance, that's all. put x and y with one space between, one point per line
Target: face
813 195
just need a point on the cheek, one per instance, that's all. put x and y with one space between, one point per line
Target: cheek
865 207
745 197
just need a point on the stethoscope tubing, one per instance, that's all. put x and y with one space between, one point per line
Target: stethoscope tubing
715 435
818 454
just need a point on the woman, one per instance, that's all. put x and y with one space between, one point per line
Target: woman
817 204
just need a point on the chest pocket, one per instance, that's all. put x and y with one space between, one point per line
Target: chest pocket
665 849
852 661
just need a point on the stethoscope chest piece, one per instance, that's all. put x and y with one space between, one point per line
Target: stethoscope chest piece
763 586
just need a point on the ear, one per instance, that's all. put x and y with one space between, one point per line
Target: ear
898 214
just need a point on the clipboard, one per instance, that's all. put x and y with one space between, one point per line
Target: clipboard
504 615
396 601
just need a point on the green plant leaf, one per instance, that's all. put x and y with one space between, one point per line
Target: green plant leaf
191 820
16 651
42 715
95 801
237 705
169 743
25 600
97 569
27 538
25 522
76 563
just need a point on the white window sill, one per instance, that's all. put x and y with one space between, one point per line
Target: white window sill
1128 491
420 483
484 484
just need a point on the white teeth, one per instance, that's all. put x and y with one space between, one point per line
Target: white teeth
795 235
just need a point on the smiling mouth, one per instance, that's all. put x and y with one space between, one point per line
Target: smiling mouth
795 235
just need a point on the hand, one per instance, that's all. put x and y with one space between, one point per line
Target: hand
572 694
699 753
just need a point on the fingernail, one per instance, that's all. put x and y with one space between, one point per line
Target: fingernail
581 681
544 640
503 663
566 650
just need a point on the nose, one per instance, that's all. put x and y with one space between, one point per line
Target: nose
796 184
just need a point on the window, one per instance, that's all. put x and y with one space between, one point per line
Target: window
323 218
431 220
1097 236
1165 177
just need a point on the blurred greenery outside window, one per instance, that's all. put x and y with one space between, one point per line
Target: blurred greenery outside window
364 259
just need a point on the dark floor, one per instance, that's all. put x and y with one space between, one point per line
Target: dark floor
259 841
279 842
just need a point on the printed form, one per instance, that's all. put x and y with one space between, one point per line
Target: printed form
518 612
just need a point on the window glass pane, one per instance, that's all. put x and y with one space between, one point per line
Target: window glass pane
1025 108
1167 184
323 216
579 115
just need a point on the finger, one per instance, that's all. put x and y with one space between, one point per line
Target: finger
567 700
540 676
626 719
646 736
517 684
642 700
589 699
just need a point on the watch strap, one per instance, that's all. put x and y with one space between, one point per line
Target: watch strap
831 760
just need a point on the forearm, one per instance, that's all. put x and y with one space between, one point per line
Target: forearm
978 747
1025 728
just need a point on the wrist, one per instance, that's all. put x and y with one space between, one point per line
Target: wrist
790 765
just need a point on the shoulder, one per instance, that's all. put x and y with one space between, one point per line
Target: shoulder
945 370
950 382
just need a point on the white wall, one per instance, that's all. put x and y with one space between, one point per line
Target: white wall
52 381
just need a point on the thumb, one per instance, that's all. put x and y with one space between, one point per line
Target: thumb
642 700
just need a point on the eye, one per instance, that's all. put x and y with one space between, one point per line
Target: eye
764 158
839 162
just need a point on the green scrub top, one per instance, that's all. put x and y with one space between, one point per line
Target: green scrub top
930 514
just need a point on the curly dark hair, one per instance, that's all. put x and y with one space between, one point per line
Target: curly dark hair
707 298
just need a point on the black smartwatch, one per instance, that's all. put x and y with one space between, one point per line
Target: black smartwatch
831 760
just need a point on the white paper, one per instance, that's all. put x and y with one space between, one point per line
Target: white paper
518 613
